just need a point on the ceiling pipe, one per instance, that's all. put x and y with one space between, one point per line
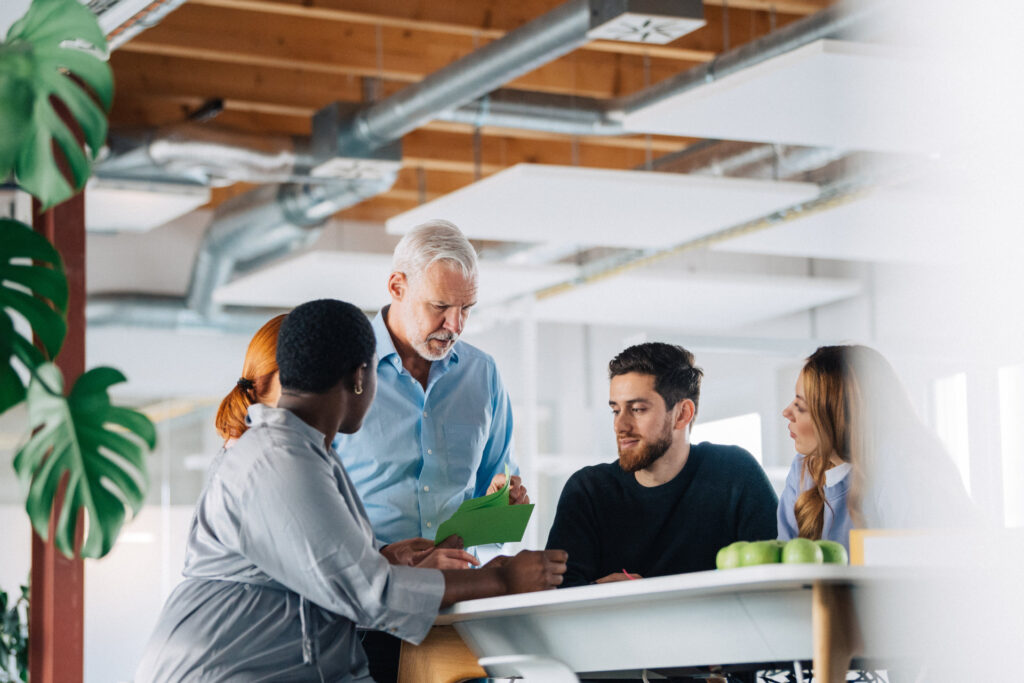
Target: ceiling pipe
546 112
588 116
122 20
210 155
168 313
247 231
266 223
542 40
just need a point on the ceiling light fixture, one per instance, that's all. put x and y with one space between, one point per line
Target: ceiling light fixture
655 22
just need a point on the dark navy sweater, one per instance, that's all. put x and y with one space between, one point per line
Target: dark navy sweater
608 522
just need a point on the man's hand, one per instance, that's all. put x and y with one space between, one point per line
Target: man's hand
447 558
422 553
618 576
516 490
533 570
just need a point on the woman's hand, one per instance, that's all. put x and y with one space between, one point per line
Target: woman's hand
408 551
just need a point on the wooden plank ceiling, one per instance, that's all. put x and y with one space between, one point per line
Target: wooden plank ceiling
275 62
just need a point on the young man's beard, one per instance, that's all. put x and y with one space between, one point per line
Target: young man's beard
645 456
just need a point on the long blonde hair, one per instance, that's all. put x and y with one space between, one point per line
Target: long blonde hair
835 402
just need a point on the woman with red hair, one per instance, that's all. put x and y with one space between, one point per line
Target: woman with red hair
258 383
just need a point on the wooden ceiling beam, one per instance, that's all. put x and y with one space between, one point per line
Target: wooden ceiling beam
305 10
491 19
237 37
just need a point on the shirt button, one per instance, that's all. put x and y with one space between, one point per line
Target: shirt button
426 488
424 413
429 525
430 452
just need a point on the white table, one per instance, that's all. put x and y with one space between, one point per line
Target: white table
769 613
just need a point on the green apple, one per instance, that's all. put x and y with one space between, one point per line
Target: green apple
834 553
802 551
729 556
760 552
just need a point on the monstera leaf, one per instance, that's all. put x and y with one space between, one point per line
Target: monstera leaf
51 52
100 448
38 292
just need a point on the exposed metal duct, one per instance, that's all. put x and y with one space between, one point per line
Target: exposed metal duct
748 160
551 113
122 20
551 35
267 223
168 313
588 116
206 154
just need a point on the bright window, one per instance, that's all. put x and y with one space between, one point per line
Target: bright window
951 421
743 431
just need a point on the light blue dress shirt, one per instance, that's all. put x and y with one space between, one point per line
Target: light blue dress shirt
421 453
837 521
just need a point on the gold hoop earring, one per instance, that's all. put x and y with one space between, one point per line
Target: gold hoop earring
358 389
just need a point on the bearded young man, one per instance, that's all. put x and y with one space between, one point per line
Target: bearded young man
666 506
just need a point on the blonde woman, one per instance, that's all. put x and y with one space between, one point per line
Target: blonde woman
864 458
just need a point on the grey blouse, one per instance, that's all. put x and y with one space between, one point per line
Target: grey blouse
281 566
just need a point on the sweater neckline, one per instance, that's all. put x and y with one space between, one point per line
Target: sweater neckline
672 486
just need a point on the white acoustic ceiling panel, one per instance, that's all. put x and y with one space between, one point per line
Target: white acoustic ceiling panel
829 93
362 280
887 225
138 206
599 207
698 303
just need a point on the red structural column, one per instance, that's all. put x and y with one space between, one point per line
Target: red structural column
57 600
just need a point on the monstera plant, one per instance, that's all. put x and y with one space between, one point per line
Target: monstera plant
55 91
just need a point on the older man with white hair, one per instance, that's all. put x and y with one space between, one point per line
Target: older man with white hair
440 429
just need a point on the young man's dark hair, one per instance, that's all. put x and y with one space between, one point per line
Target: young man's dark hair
675 376
320 342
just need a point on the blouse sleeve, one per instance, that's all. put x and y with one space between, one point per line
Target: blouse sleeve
300 523
786 514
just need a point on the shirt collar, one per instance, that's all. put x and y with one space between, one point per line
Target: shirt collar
386 345
261 414
836 474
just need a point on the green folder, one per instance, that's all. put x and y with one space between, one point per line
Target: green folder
488 519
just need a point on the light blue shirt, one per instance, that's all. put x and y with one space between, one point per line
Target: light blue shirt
421 453
837 522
